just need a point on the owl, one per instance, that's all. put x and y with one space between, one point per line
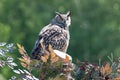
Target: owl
56 34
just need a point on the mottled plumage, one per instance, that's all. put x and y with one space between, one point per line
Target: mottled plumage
56 34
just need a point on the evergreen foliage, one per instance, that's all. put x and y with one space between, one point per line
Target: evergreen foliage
54 67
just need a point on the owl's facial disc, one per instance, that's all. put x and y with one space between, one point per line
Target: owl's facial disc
62 20
68 21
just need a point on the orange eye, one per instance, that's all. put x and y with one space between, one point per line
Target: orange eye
61 19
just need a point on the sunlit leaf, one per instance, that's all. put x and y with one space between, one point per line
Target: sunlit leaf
26 71
29 77
19 46
106 69
67 58
22 60
34 78
2 43
21 49
2 63
10 66
118 70
50 48
116 78
25 60
9 59
55 59
13 64
10 45
21 71
24 65
13 78
2 53
52 53
43 59
47 56
16 71
102 70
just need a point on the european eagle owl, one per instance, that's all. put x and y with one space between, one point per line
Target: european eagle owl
56 34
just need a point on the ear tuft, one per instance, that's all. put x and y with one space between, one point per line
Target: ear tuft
57 13
68 13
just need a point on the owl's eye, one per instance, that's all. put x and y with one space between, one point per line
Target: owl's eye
60 17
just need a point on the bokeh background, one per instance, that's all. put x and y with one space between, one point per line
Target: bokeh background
95 28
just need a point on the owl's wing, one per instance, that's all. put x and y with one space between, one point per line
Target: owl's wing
54 36
36 49
57 37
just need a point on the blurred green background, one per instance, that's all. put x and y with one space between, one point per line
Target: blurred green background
95 28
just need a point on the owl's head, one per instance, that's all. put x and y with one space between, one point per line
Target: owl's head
62 20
